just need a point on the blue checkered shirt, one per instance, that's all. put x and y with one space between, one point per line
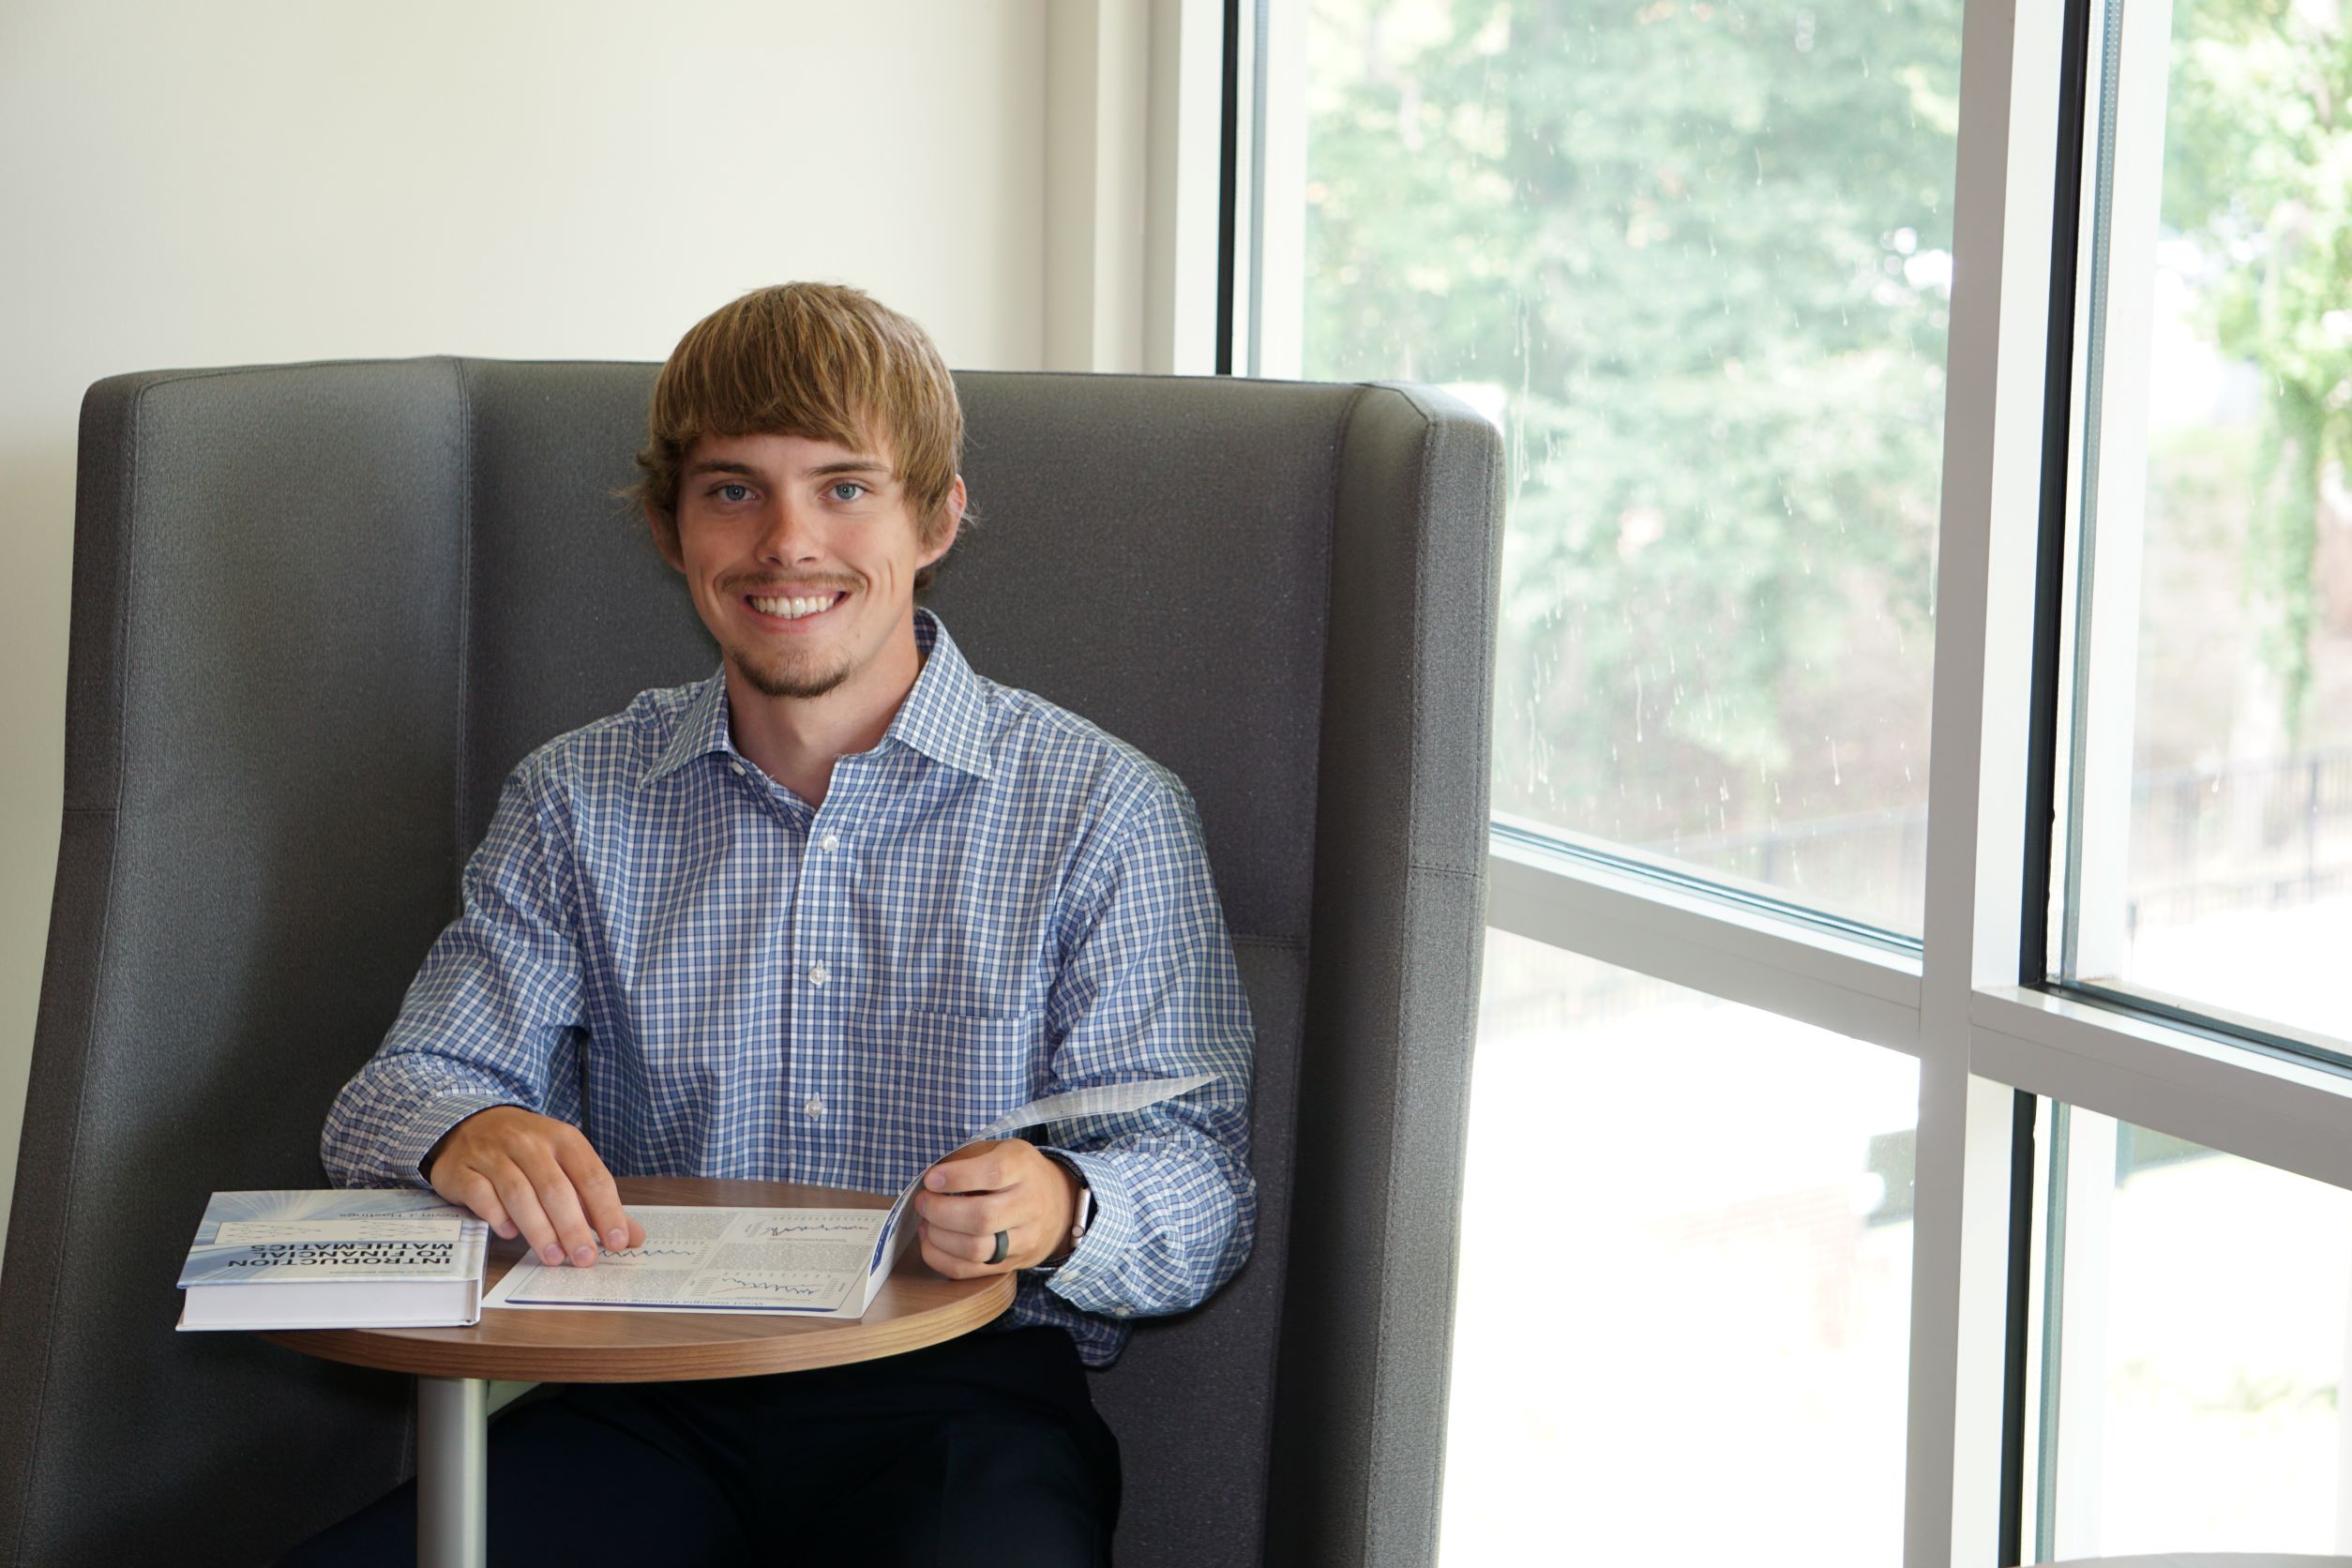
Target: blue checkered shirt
666 948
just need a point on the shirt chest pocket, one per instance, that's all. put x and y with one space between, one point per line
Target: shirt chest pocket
925 1079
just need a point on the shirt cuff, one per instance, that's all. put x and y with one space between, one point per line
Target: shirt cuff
428 1126
1088 1279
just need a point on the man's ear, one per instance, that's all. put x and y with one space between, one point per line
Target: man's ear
664 540
953 507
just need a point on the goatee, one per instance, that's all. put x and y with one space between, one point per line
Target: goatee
792 683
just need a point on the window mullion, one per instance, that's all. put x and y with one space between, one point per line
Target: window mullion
2009 97
2220 1095
1752 959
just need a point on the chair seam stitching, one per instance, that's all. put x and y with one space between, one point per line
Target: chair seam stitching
465 622
106 920
1374 1538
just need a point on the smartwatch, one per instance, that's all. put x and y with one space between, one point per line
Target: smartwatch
1085 1215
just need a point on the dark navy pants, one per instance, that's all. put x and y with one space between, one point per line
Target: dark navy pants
984 1449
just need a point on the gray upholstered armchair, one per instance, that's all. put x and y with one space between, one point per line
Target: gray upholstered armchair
321 610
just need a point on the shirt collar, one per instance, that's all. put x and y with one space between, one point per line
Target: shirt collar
701 729
944 716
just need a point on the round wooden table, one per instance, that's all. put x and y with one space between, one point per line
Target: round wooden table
453 1366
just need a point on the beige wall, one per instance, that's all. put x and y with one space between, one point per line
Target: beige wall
239 182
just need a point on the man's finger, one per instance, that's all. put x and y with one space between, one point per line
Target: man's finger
978 1251
971 1249
976 1215
560 1201
523 1206
962 1257
600 1199
945 1262
976 1168
470 1189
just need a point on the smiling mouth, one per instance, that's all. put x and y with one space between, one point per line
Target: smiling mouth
795 607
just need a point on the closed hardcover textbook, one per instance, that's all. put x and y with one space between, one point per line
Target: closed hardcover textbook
330 1259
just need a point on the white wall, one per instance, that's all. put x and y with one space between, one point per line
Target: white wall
240 181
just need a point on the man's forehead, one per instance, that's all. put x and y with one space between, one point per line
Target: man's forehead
767 452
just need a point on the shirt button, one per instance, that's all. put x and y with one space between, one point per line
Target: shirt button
816 1105
1118 1312
830 842
738 767
819 974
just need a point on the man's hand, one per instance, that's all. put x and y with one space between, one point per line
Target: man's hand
531 1175
983 1189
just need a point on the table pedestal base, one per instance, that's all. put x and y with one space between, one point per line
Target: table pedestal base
452 1472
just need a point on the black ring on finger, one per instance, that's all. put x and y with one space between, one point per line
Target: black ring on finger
1004 1247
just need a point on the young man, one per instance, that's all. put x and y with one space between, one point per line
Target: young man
813 920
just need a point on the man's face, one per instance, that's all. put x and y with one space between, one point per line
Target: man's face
801 556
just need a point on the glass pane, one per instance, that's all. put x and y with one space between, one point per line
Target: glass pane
2224 694
2200 1354
1682 1327
1694 259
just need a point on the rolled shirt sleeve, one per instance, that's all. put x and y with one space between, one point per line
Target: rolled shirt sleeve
1149 988
498 992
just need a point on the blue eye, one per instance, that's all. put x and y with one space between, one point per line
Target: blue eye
735 492
848 490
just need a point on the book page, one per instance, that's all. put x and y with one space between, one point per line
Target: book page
714 1260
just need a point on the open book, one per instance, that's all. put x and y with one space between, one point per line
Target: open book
817 1263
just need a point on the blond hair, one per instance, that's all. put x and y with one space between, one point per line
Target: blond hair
817 360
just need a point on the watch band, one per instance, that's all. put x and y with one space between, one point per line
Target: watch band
1085 1215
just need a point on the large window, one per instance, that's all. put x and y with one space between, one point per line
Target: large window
1696 260
2189 1349
1736 1320
2208 859
1924 688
